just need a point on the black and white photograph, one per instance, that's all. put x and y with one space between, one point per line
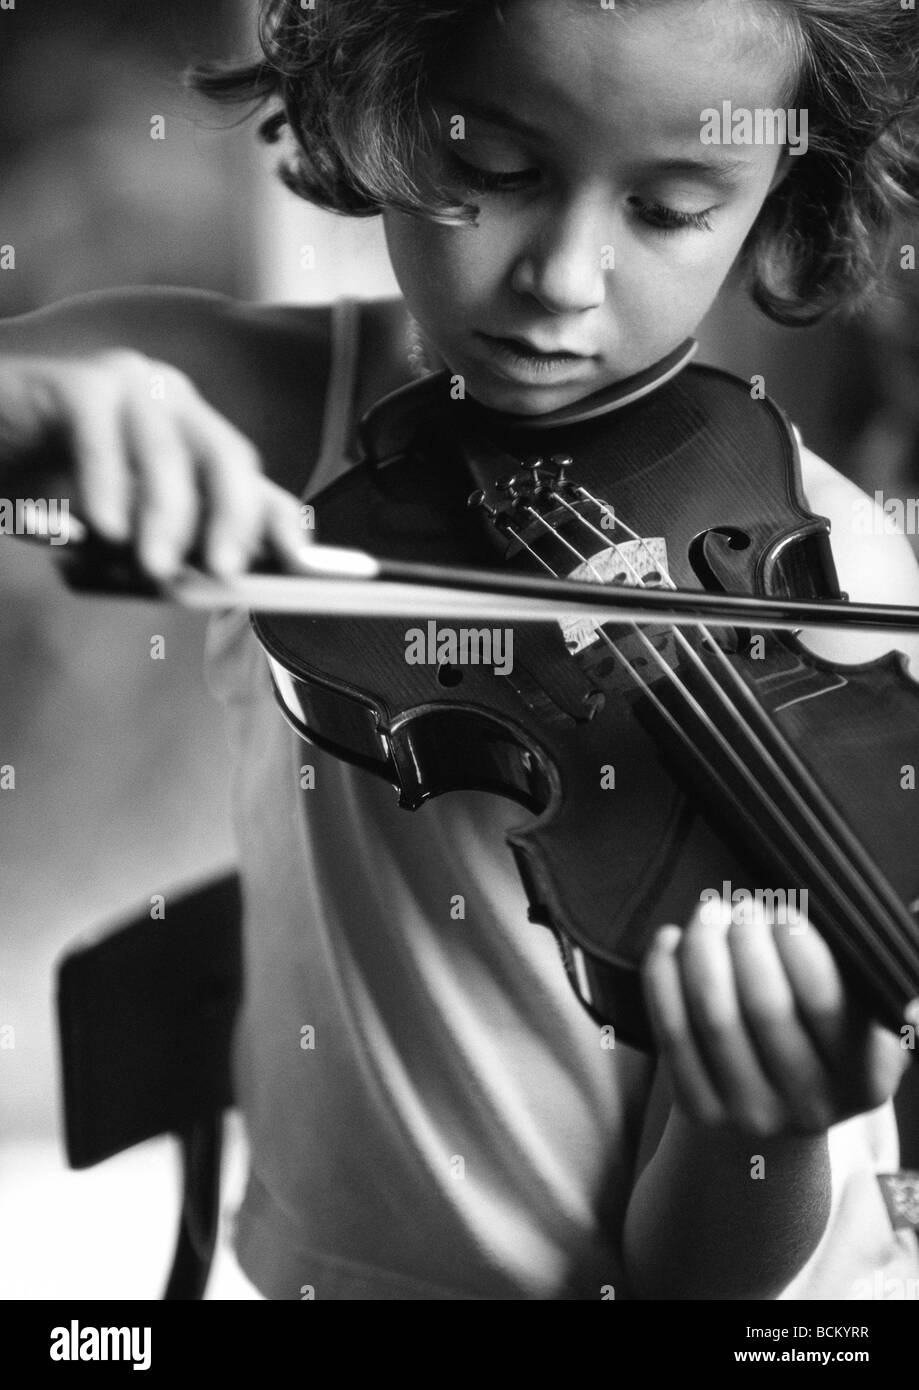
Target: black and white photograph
459 665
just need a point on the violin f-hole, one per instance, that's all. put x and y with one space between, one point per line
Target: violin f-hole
714 556
715 559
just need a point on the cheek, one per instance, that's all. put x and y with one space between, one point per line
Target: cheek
445 265
689 272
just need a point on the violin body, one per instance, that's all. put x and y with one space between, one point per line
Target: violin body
629 825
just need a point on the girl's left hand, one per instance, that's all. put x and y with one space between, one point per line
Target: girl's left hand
757 1028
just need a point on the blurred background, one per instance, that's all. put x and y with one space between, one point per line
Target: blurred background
121 789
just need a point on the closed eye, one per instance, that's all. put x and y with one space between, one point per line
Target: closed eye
479 180
657 215
667 219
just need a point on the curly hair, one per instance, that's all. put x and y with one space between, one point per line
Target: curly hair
349 78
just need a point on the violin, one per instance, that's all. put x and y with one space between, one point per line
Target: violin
657 758
648 701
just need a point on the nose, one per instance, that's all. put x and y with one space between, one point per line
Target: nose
563 265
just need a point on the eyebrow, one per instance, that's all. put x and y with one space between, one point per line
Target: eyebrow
709 166
723 171
495 115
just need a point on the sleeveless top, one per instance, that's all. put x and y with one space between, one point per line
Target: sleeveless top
430 1111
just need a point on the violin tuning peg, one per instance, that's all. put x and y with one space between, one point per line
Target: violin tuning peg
561 463
476 500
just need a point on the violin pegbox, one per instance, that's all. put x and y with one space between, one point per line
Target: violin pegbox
537 505
553 523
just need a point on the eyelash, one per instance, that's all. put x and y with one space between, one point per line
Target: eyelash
484 181
666 219
656 215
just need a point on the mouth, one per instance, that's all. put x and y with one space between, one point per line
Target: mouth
523 360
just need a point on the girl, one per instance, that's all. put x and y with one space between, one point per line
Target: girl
430 1112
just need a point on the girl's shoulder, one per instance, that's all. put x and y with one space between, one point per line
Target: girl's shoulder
874 560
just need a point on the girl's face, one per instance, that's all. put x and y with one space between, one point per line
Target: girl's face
606 226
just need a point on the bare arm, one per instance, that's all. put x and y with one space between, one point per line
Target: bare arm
168 408
263 368
718 1214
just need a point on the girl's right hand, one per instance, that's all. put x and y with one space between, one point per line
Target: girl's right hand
152 462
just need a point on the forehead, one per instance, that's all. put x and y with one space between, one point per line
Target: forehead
644 70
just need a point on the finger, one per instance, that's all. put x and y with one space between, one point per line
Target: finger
287 527
865 1059
815 981
104 485
784 1047
663 993
167 506
231 478
719 1027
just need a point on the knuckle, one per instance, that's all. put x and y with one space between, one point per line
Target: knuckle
245 454
119 361
172 376
88 388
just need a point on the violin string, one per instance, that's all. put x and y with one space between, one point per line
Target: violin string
845 843
559 537
844 867
858 867
831 884
517 537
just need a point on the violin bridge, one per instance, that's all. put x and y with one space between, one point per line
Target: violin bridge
633 564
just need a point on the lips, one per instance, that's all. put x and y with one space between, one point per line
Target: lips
547 350
521 362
